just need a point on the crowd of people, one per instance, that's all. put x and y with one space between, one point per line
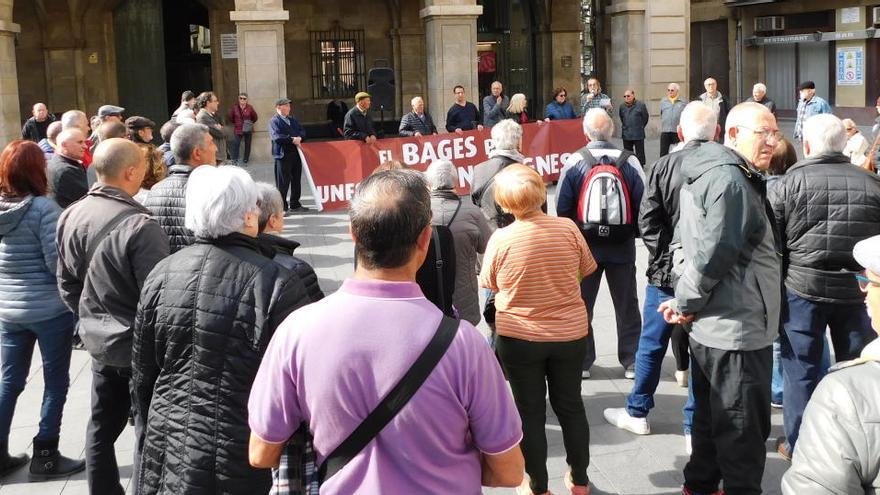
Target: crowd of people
216 342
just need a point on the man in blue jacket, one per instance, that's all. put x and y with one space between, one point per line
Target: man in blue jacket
615 258
286 134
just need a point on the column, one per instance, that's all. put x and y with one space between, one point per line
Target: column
649 50
451 52
262 71
10 115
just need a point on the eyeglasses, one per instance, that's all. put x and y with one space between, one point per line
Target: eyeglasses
562 95
765 134
670 89
242 98
865 281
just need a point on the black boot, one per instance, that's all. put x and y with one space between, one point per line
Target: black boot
49 464
9 463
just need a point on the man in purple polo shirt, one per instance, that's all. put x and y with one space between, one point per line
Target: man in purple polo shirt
330 363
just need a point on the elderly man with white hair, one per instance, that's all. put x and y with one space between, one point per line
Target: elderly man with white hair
418 122
658 216
470 233
670 113
759 95
823 207
728 291
613 247
507 142
204 321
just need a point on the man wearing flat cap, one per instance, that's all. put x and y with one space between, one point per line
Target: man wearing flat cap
358 124
140 129
107 113
808 105
286 134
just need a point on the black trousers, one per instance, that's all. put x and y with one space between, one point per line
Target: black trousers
621 278
667 139
288 175
111 406
532 368
731 419
680 348
637 147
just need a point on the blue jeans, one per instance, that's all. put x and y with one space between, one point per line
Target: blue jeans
803 343
776 382
653 342
54 337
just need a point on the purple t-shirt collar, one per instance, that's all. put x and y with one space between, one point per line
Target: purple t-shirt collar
383 289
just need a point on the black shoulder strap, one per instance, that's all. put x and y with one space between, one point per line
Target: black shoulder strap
458 207
393 402
438 264
102 234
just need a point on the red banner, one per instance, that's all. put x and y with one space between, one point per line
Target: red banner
334 168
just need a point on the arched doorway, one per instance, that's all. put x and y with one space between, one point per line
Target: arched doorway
162 49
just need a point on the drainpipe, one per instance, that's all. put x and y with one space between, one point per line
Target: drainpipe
739 59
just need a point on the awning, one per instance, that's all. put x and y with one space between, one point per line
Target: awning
819 36
742 3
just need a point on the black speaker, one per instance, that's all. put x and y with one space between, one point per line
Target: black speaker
380 83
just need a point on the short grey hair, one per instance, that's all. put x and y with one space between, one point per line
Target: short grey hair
388 212
412 102
598 126
507 135
271 203
186 139
825 133
53 131
218 199
441 175
759 86
73 118
698 122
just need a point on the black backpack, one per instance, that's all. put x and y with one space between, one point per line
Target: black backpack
436 276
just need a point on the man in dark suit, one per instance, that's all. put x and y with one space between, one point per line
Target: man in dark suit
286 134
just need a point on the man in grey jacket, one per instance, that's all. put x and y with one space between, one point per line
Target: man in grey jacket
107 245
729 290
670 113
495 106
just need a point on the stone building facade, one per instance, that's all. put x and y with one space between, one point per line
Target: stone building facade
141 54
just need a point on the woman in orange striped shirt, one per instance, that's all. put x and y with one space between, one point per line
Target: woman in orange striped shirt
535 265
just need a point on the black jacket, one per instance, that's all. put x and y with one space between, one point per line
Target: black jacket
203 323
823 206
104 293
658 213
167 203
68 181
283 255
36 131
633 119
358 126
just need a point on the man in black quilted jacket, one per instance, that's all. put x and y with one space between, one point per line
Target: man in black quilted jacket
193 147
823 207
107 245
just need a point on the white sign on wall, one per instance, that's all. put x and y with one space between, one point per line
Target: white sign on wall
229 45
850 15
850 66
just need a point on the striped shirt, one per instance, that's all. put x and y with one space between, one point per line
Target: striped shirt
535 265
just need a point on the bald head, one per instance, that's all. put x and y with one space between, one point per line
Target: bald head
598 126
40 112
71 143
746 114
53 131
120 163
75 118
698 122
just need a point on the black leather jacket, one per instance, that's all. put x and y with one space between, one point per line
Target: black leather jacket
658 213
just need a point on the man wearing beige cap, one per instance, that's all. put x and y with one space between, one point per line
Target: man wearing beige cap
358 124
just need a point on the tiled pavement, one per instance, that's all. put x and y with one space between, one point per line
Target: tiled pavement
621 463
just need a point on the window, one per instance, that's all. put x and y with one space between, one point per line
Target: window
337 63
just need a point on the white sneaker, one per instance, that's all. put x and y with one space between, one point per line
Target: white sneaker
585 374
682 378
629 373
621 419
687 444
